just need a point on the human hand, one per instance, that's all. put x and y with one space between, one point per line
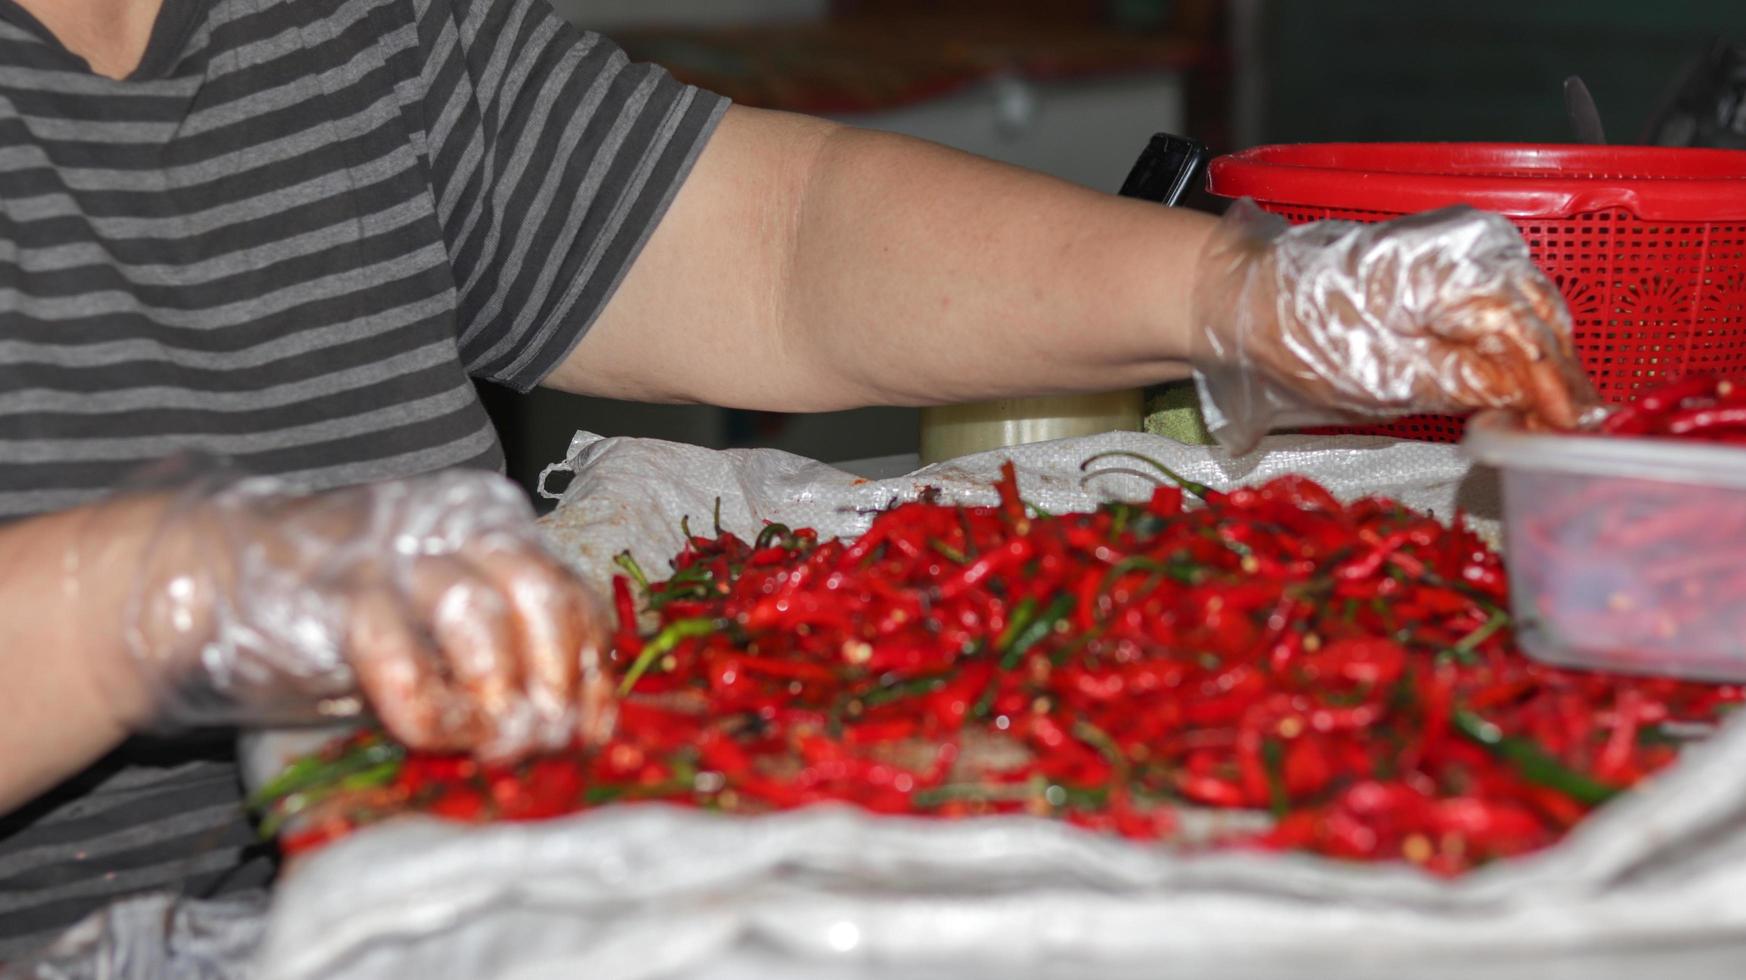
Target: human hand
430 600
1335 321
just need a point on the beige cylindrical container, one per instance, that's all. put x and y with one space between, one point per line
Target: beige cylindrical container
950 431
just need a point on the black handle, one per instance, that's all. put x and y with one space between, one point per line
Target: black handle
1166 169
1584 116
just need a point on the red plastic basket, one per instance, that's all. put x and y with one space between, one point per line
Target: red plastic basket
1647 244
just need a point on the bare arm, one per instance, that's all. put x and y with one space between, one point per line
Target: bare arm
806 266
56 619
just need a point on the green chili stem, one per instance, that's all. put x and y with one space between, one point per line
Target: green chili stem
984 792
1200 490
1532 763
970 548
686 580
1075 645
315 772
898 691
1469 643
1119 513
1036 631
1100 740
597 795
694 590
770 533
1009 793
985 703
1022 615
662 644
290 806
1383 612
1182 572
948 552
631 568
1273 759
1235 547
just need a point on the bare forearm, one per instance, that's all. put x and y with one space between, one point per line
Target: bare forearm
811 267
58 615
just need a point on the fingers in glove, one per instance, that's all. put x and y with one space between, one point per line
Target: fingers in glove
1549 396
475 628
560 632
1558 388
403 677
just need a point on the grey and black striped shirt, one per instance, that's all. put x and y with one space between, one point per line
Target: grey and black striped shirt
290 238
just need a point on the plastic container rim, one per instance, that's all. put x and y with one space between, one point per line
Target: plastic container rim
1495 438
1267 174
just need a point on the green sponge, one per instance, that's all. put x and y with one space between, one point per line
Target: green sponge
1173 411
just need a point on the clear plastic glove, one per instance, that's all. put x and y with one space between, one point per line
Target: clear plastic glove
430 600
1335 322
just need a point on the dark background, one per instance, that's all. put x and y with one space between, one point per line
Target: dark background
1475 69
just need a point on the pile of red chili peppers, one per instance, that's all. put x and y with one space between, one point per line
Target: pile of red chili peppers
1344 672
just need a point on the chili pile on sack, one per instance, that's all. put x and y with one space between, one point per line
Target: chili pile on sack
1344 671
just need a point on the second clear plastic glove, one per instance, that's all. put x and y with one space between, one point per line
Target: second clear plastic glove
430 600
1335 322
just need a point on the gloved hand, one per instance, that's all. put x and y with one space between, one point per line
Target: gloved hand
1335 322
430 599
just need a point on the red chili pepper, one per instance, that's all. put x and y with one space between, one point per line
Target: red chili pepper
430 769
1014 553
1615 762
318 836
798 670
1166 501
1307 769
1250 763
1627 420
1489 825
626 640
1671 395
1367 564
1698 421
1007 486
459 803
1301 493
1211 790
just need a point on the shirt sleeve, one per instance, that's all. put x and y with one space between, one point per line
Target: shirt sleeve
552 158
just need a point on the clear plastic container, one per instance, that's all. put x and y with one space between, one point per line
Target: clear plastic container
1624 554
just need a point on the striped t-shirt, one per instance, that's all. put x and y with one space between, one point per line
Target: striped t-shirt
290 238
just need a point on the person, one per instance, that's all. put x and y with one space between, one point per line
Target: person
287 235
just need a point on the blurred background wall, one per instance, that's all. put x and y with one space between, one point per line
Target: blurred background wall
605 15
1075 88
1474 69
